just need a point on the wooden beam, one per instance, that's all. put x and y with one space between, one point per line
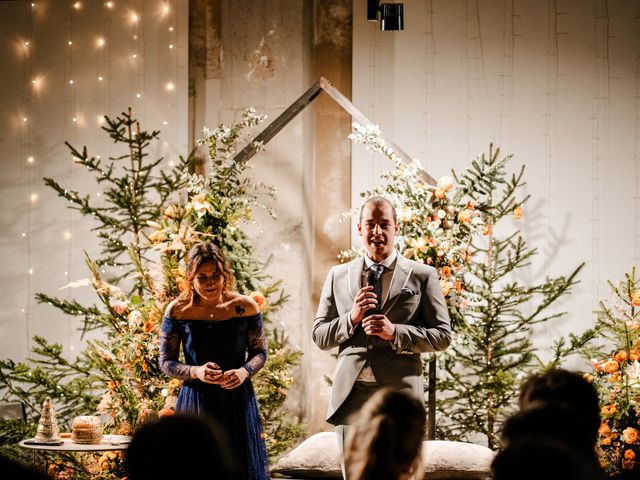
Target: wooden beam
278 124
361 118
303 101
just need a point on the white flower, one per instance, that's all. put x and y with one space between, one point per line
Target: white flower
405 214
442 214
164 392
445 183
433 225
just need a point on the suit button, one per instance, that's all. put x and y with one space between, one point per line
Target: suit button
370 347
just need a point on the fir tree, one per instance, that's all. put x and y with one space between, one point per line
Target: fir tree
492 351
149 221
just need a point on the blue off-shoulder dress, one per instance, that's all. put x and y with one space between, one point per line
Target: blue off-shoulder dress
233 343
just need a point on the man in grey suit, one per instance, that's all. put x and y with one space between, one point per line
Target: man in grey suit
379 340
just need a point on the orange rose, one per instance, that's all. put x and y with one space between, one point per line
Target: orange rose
464 216
446 271
183 285
260 299
517 212
633 356
445 286
621 356
611 366
629 454
608 410
635 298
604 428
458 287
166 412
148 325
605 441
630 435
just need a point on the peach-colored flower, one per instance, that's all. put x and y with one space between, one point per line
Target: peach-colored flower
611 366
446 287
597 366
148 325
464 216
630 435
517 212
633 356
135 318
605 441
629 454
175 383
486 229
183 285
587 377
621 356
635 298
157 236
439 193
170 211
166 412
446 271
608 409
260 299
405 214
604 429
120 307
429 260
458 287
445 183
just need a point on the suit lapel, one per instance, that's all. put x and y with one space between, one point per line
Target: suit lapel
354 276
401 275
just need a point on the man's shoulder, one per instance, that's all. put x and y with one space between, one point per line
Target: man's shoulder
342 268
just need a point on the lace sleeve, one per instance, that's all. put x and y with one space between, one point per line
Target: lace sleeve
170 339
256 345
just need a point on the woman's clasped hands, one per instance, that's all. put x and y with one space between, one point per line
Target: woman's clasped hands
210 372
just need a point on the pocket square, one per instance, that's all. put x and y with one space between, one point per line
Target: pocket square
407 291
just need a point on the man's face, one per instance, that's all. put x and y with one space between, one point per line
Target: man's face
378 230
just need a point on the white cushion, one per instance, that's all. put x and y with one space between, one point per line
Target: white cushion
317 457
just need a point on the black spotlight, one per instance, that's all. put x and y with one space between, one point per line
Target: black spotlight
391 16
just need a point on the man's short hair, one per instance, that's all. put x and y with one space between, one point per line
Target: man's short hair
377 200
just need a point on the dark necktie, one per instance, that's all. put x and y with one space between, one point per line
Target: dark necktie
374 279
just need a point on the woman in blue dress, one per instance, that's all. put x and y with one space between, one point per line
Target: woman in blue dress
224 345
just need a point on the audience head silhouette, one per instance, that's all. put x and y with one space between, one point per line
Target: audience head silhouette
548 460
385 439
567 388
179 446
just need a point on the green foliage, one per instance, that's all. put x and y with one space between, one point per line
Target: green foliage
492 352
616 375
148 221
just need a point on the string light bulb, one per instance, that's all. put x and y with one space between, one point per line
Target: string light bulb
170 86
100 42
70 42
30 159
77 5
109 4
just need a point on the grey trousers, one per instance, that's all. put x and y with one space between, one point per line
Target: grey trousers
360 393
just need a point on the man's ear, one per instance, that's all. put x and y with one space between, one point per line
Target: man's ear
359 230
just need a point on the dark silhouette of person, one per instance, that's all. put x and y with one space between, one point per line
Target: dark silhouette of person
180 446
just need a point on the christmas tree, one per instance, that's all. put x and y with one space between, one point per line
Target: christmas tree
616 376
492 352
147 224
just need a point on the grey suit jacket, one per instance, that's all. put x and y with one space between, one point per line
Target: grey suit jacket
415 305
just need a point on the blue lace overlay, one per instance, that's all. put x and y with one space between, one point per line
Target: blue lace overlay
233 343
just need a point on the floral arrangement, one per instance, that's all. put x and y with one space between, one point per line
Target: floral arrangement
617 377
435 222
118 376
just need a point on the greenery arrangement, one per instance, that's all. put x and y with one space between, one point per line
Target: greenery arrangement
149 221
452 226
616 375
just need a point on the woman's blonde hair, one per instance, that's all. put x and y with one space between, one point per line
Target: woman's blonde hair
200 254
385 440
